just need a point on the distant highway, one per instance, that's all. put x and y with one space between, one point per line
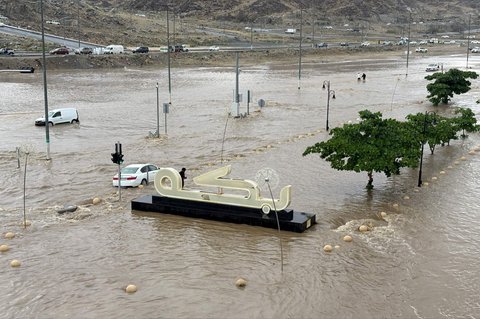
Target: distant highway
61 41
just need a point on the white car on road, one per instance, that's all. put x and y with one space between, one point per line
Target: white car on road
134 175
433 67
213 48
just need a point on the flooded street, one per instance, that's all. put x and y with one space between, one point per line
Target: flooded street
420 261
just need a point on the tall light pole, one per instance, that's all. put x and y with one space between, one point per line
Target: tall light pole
424 131
158 113
251 36
468 39
78 23
44 68
168 58
313 33
329 93
408 40
300 50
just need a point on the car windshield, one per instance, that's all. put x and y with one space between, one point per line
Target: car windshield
129 170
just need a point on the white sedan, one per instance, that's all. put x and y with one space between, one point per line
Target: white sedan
213 48
136 174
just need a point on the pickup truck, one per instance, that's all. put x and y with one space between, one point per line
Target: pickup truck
6 51
179 48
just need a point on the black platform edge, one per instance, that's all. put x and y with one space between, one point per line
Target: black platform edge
289 220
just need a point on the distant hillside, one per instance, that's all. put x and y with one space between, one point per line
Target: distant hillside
139 22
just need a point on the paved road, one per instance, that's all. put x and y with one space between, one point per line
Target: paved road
61 41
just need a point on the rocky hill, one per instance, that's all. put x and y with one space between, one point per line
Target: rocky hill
143 22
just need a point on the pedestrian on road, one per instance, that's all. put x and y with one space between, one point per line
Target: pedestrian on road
364 76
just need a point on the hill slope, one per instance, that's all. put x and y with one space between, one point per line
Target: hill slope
136 22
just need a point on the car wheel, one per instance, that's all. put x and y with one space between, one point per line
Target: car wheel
50 123
144 182
75 121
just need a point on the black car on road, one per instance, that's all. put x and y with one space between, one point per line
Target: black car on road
140 50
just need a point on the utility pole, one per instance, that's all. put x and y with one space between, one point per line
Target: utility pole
408 41
168 58
468 39
300 50
44 68
78 23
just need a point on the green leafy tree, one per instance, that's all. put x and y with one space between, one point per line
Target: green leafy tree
466 121
433 128
446 84
372 145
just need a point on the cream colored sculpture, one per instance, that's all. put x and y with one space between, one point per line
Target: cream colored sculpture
168 183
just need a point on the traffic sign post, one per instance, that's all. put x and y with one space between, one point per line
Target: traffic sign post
117 158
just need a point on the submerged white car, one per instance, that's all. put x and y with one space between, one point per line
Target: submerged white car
134 175
58 116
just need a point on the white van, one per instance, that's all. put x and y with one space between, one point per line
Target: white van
113 49
57 116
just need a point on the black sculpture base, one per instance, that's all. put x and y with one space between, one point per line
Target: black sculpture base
288 219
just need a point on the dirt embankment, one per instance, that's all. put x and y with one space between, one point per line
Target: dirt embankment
220 59
199 59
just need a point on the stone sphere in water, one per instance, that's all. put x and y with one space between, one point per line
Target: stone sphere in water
15 263
327 248
240 282
9 235
131 289
363 228
347 238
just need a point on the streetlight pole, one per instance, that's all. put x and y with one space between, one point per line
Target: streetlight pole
158 114
44 68
78 23
408 40
329 93
468 39
300 50
251 36
168 58
424 131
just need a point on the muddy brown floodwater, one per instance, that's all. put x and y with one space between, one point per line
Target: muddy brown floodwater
420 261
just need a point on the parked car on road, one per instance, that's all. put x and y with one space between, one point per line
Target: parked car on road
58 116
213 48
84 50
421 50
344 44
433 67
181 48
475 50
365 44
7 51
321 45
134 175
60 51
140 50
